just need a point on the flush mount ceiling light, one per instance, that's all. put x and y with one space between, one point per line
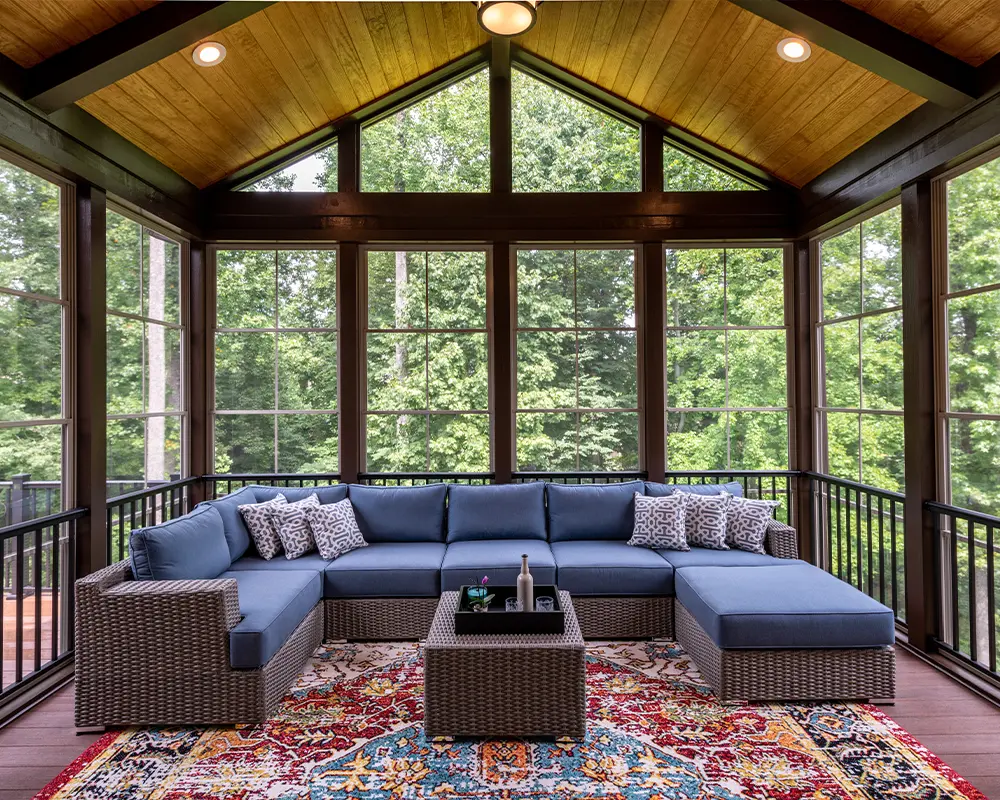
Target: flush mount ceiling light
794 49
208 54
507 17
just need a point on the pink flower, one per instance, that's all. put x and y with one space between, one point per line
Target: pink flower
485 580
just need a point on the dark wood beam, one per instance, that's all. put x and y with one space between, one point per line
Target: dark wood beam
501 128
128 47
350 354
198 344
652 157
798 308
652 400
503 353
349 158
874 45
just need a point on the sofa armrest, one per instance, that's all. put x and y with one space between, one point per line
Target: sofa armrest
781 540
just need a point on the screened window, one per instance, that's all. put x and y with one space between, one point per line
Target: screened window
276 361
577 396
34 408
972 316
562 144
726 359
428 365
440 144
145 394
683 172
861 349
316 172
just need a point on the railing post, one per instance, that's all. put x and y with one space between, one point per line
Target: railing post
18 497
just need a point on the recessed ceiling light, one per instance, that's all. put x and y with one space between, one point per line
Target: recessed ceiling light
794 49
507 17
208 54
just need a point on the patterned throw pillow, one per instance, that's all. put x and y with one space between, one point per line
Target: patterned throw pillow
659 522
746 523
705 520
335 529
291 521
257 516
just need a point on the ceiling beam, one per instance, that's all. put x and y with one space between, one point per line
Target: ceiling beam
126 48
874 45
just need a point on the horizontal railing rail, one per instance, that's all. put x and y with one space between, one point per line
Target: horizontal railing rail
226 483
424 478
141 509
571 477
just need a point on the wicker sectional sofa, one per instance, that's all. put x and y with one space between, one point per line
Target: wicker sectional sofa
198 629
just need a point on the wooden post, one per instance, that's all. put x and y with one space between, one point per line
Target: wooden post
351 358
198 346
652 411
919 412
652 157
90 376
349 158
798 307
501 142
502 368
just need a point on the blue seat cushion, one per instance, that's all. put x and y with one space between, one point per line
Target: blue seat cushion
591 511
509 511
400 513
705 557
796 606
386 569
191 547
235 528
310 562
326 494
611 568
467 562
273 603
663 489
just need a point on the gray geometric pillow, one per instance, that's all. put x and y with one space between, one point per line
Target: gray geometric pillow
257 516
746 523
335 529
659 522
291 521
705 521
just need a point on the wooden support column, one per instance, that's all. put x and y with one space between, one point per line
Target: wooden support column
198 345
90 377
652 157
919 421
798 307
501 142
351 357
652 411
502 354
349 158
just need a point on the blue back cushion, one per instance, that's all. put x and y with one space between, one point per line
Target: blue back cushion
400 513
237 535
511 511
191 547
326 494
663 489
591 511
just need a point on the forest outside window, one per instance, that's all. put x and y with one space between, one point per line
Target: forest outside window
316 172
276 361
726 359
428 404
683 172
145 393
577 395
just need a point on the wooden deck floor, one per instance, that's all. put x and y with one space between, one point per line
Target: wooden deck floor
951 721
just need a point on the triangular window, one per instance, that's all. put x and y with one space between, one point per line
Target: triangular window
316 172
561 144
682 172
441 144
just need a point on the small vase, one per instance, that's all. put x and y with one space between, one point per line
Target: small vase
475 593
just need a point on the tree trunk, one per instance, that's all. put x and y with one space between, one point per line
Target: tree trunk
156 362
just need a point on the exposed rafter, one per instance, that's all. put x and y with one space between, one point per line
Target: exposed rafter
128 47
874 45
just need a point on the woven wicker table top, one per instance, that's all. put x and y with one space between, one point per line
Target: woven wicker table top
442 634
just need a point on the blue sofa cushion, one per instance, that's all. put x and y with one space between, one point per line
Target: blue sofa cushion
191 547
663 489
500 559
796 606
235 528
273 604
326 494
386 569
704 557
400 513
510 511
313 562
591 511
611 568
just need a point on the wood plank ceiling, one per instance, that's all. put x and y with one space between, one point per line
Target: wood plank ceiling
705 65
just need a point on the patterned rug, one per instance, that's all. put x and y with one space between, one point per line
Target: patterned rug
352 729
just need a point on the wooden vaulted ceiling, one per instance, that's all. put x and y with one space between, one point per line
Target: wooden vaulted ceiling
707 66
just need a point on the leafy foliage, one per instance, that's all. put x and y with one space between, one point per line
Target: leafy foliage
683 172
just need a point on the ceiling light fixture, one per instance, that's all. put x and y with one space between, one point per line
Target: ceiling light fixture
208 54
794 49
507 17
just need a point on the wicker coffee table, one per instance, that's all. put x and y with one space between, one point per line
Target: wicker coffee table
508 686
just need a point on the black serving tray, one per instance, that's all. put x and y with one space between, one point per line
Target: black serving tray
498 620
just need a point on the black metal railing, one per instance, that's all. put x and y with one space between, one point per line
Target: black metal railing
424 478
142 509
858 536
221 485
579 477
37 611
966 560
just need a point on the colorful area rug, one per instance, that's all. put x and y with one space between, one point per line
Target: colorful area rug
352 729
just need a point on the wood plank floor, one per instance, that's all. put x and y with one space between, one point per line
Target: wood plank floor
951 721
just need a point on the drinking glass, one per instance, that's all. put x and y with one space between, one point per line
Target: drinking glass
544 604
513 604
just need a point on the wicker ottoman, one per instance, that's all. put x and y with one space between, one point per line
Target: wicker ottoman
503 686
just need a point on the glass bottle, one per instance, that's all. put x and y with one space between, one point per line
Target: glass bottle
525 586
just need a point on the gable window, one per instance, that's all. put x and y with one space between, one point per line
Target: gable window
683 172
317 172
